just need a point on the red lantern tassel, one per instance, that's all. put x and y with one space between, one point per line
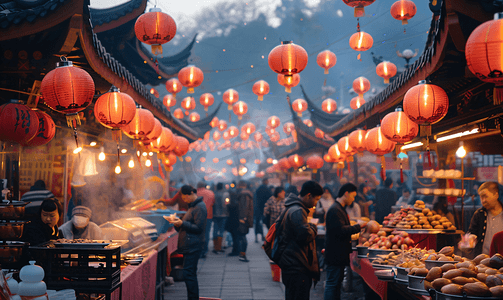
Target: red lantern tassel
401 173
428 156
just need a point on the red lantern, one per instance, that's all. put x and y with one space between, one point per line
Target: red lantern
164 141
273 122
244 136
299 106
181 146
191 77
308 123
154 134
226 135
269 160
296 160
260 88
257 137
484 57
188 159
257 161
217 135
222 125
403 10
229 162
233 131
178 113
361 85
242 161
170 159
240 108
289 81
357 140
169 100
115 110
202 159
386 70
344 146
206 100
142 124
19 123
319 133
336 154
248 128
274 137
287 59
397 127
288 127
45 133
329 105
155 28
154 92
361 41
188 103
359 6
284 164
328 158
206 136
216 160
270 131
326 59
68 90
376 143
425 103
214 122
174 86
356 102
230 97
194 117
315 163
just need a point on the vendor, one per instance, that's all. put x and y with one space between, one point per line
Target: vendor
487 220
44 227
79 226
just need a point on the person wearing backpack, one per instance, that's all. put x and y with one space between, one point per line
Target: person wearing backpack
295 246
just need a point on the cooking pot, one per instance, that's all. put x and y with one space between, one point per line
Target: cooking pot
13 210
11 252
11 230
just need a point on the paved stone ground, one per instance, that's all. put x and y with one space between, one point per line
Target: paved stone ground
227 278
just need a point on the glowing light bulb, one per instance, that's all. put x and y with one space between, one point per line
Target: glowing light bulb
131 163
461 152
150 153
118 169
92 144
77 150
101 156
144 154
148 163
124 151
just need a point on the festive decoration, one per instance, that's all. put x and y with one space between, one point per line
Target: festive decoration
188 159
214 122
229 162
248 128
202 159
142 124
169 101
296 161
289 81
260 88
216 160
188 103
190 77
376 143
403 10
386 70
226 136
19 123
328 158
299 106
178 113
257 137
233 131
329 105
155 28
115 110
361 41
275 137
397 127
206 100
361 85
288 127
287 59
315 163
181 146
308 122
326 59
257 161
284 164
344 146
335 153
240 108
194 117
153 135
243 161
425 104
154 92
164 141
273 122
217 135
174 86
356 102
357 140
206 136
45 133
230 97
359 6
319 133
244 136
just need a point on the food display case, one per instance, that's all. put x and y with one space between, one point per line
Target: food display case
137 230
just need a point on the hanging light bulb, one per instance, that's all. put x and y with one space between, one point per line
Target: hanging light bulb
92 144
131 163
150 153
123 151
144 154
118 169
77 150
461 152
101 156
148 163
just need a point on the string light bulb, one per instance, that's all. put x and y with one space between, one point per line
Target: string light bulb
461 152
148 163
92 144
77 150
123 151
101 156
118 169
131 163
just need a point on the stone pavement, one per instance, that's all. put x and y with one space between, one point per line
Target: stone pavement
228 278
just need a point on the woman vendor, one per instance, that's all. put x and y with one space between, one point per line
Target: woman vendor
79 227
43 227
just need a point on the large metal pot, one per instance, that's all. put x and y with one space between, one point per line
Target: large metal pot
362 251
13 210
401 275
416 282
11 252
11 230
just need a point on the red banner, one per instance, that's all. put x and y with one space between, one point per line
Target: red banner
364 268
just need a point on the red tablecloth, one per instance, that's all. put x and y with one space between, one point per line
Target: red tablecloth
138 282
364 268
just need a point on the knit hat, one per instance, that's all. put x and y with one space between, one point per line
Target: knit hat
81 211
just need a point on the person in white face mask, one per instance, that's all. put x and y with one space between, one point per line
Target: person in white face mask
79 227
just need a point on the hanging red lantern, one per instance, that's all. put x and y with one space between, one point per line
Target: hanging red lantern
484 57
257 137
284 164
319 133
174 86
222 125
194 117
336 154
181 146
361 41
361 85
359 6
19 123
154 92
153 135
274 137
190 77
229 162
270 131
188 159
202 159
214 122
216 160
289 81
45 133
115 110
328 158
299 106
260 88
287 59
233 131
142 124
178 113
170 159
240 108
344 146
226 136
257 161
188 103
376 143
206 100
329 105
155 28
230 97
169 101
403 10
315 163
357 140
164 141
397 127
296 161
326 59
217 135
269 160
273 122
356 102
308 123
386 70
425 103
242 161
206 136
288 127
248 128
244 136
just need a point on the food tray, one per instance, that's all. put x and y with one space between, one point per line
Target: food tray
401 274
81 245
378 266
441 296
385 275
428 231
416 282
418 291
428 264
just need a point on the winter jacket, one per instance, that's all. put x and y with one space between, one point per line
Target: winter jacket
262 194
338 236
220 206
37 232
478 226
245 211
191 233
297 240
91 231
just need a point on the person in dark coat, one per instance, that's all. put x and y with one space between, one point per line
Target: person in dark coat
262 194
35 196
191 235
296 244
385 199
245 214
338 240
220 214
44 227
232 222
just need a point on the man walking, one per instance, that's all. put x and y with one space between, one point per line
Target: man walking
338 240
209 200
191 232
262 194
245 212
219 216
296 245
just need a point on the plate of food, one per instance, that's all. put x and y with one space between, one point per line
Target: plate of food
80 243
170 218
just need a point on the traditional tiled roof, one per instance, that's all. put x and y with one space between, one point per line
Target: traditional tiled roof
107 15
14 12
320 119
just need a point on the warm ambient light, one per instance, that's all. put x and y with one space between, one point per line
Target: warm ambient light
275 161
150 153
124 151
461 152
411 145
92 144
77 150
101 156
148 163
144 154
118 169
131 163
457 135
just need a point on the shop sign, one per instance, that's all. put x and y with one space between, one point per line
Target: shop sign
487 173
